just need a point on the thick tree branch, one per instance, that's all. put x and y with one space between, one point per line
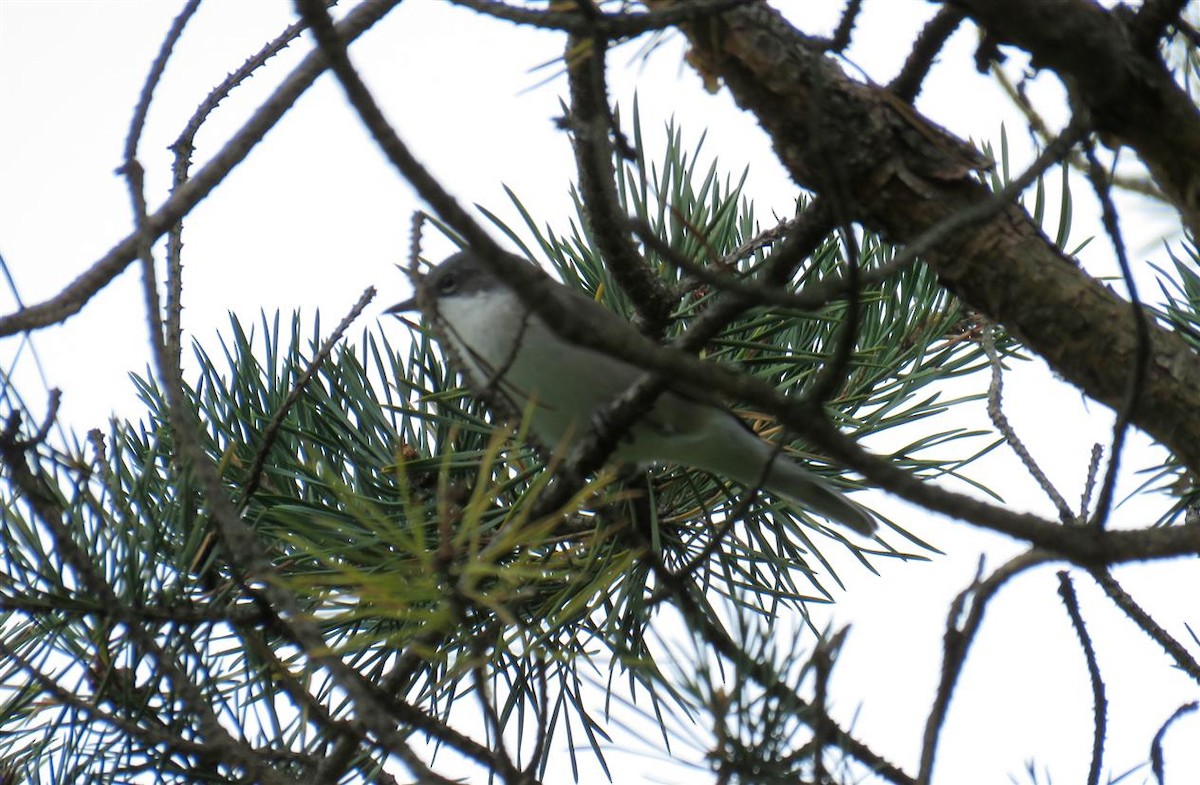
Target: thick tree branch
908 175
610 25
1114 72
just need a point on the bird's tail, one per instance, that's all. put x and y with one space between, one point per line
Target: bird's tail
741 456
788 479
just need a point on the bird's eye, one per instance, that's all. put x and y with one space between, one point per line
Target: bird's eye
447 284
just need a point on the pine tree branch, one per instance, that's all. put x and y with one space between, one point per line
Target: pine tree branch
71 299
1110 63
909 176
593 128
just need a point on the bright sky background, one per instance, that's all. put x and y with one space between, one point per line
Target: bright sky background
315 215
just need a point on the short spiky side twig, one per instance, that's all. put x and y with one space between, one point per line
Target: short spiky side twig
271 431
840 40
937 31
1089 484
995 411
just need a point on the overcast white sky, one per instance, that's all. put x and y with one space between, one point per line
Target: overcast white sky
315 215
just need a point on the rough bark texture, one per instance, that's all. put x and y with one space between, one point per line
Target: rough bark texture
900 175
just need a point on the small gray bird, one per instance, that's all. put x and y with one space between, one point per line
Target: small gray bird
507 350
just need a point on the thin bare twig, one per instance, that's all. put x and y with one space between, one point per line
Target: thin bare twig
1099 703
907 84
1174 649
271 432
71 299
995 411
1156 751
1093 471
183 147
822 661
142 108
957 643
53 401
1141 326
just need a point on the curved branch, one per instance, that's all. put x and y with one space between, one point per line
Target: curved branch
1066 590
937 31
957 642
592 127
76 294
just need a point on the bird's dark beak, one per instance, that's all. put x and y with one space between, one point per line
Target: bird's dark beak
404 307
